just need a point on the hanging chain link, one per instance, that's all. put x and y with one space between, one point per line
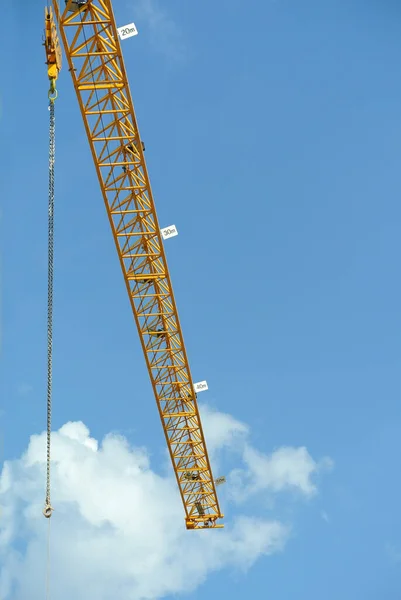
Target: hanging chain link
47 511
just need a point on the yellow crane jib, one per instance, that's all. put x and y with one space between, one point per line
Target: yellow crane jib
53 52
92 48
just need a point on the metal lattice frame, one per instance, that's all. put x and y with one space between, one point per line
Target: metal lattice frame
93 51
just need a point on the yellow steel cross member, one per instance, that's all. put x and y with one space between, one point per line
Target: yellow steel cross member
53 52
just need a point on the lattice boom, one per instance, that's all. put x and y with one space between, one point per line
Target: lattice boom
90 39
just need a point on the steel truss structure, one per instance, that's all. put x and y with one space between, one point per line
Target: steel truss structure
92 47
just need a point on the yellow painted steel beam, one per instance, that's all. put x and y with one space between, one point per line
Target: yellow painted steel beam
89 35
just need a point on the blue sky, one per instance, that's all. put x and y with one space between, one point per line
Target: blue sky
273 141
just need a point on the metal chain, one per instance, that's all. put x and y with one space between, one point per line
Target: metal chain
47 511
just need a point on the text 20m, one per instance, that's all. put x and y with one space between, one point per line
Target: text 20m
127 31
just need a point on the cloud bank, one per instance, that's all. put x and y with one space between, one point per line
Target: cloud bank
118 526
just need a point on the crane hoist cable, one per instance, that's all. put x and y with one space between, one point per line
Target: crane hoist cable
50 267
53 55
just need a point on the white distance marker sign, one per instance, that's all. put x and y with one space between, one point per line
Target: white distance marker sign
168 232
201 386
127 31
220 480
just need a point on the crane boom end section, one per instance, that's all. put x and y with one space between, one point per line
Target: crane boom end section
205 523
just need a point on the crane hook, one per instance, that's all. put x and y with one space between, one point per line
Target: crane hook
47 511
52 90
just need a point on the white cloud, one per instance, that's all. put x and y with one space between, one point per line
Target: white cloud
165 35
223 431
118 526
285 469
